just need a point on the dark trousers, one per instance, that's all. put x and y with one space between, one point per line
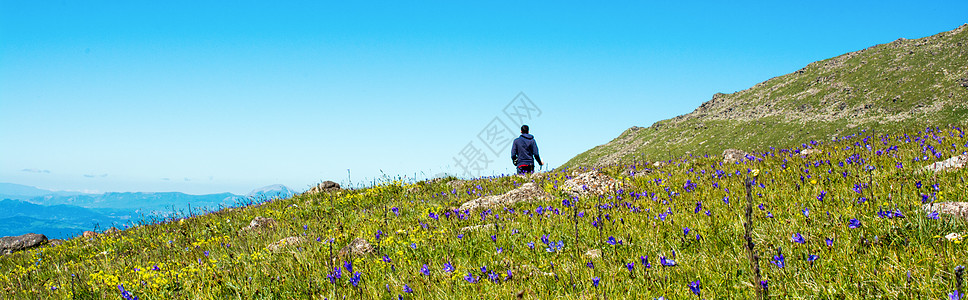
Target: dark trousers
522 169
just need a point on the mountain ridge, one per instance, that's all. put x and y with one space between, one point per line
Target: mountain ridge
888 87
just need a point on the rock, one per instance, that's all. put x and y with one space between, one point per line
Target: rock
11 244
477 227
658 164
325 186
590 183
733 155
959 209
526 192
956 162
89 234
289 241
593 253
810 151
260 223
357 247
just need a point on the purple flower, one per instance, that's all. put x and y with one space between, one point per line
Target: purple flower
812 257
407 289
125 294
698 207
779 260
425 270
645 261
806 212
395 210
349 266
612 241
853 223
206 253
666 262
595 281
829 241
764 284
694 287
954 295
797 238
630 266
355 280
822 194
448 267
590 265
685 230
933 215
470 278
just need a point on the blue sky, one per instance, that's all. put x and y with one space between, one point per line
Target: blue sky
205 97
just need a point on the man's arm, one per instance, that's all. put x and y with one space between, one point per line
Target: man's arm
536 157
514 154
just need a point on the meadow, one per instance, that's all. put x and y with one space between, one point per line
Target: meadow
845 223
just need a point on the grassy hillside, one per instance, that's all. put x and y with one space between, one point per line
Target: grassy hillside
894 87
846 223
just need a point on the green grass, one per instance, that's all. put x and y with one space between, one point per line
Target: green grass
883 258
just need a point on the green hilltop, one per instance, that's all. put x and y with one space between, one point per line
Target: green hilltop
889 88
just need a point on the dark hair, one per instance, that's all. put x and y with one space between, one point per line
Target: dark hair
524 128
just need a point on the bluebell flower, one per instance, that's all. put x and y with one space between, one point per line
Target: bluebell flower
685 230
806 212
590 265
829 241
853 223
797 238
645 261
425 270
779 260
531 245
954 295
448 267
470 278
407 289
694 287
933 215
595 281
125 294
630 266
355 280
812 257
666 262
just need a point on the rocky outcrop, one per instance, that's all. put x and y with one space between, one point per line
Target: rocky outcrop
357 247
811 151
289 241
260 223
953 163
733 155
958 209
527 192
590 183
325 186
11 244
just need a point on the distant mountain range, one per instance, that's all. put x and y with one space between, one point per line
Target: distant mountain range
56 214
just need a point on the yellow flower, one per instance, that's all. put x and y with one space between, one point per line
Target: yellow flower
813 181
756 172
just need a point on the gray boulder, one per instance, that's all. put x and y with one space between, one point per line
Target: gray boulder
11 244
260 223
325 186
733 155
956 162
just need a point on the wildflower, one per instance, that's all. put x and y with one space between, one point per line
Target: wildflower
305 227
764 284
494 238
666 262
694 287
612 241
395 210
812 258
590 265
448 267
954 295
933 215
797 238
829 241
806 212
685 230
206 253
425 270
494 277
125 294
348 265
386 259
779 260
531 245
595 281
407 289
769 214
630 266
821 196
335 274
853 223
470 278
355 280
645 261
698 207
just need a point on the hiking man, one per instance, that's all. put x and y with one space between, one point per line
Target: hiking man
524 151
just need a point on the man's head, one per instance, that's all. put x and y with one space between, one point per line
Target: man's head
524 128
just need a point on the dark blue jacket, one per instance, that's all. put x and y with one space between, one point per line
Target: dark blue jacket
524 151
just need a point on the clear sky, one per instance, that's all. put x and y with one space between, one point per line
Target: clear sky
206 97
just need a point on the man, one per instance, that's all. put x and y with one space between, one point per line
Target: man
524 151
